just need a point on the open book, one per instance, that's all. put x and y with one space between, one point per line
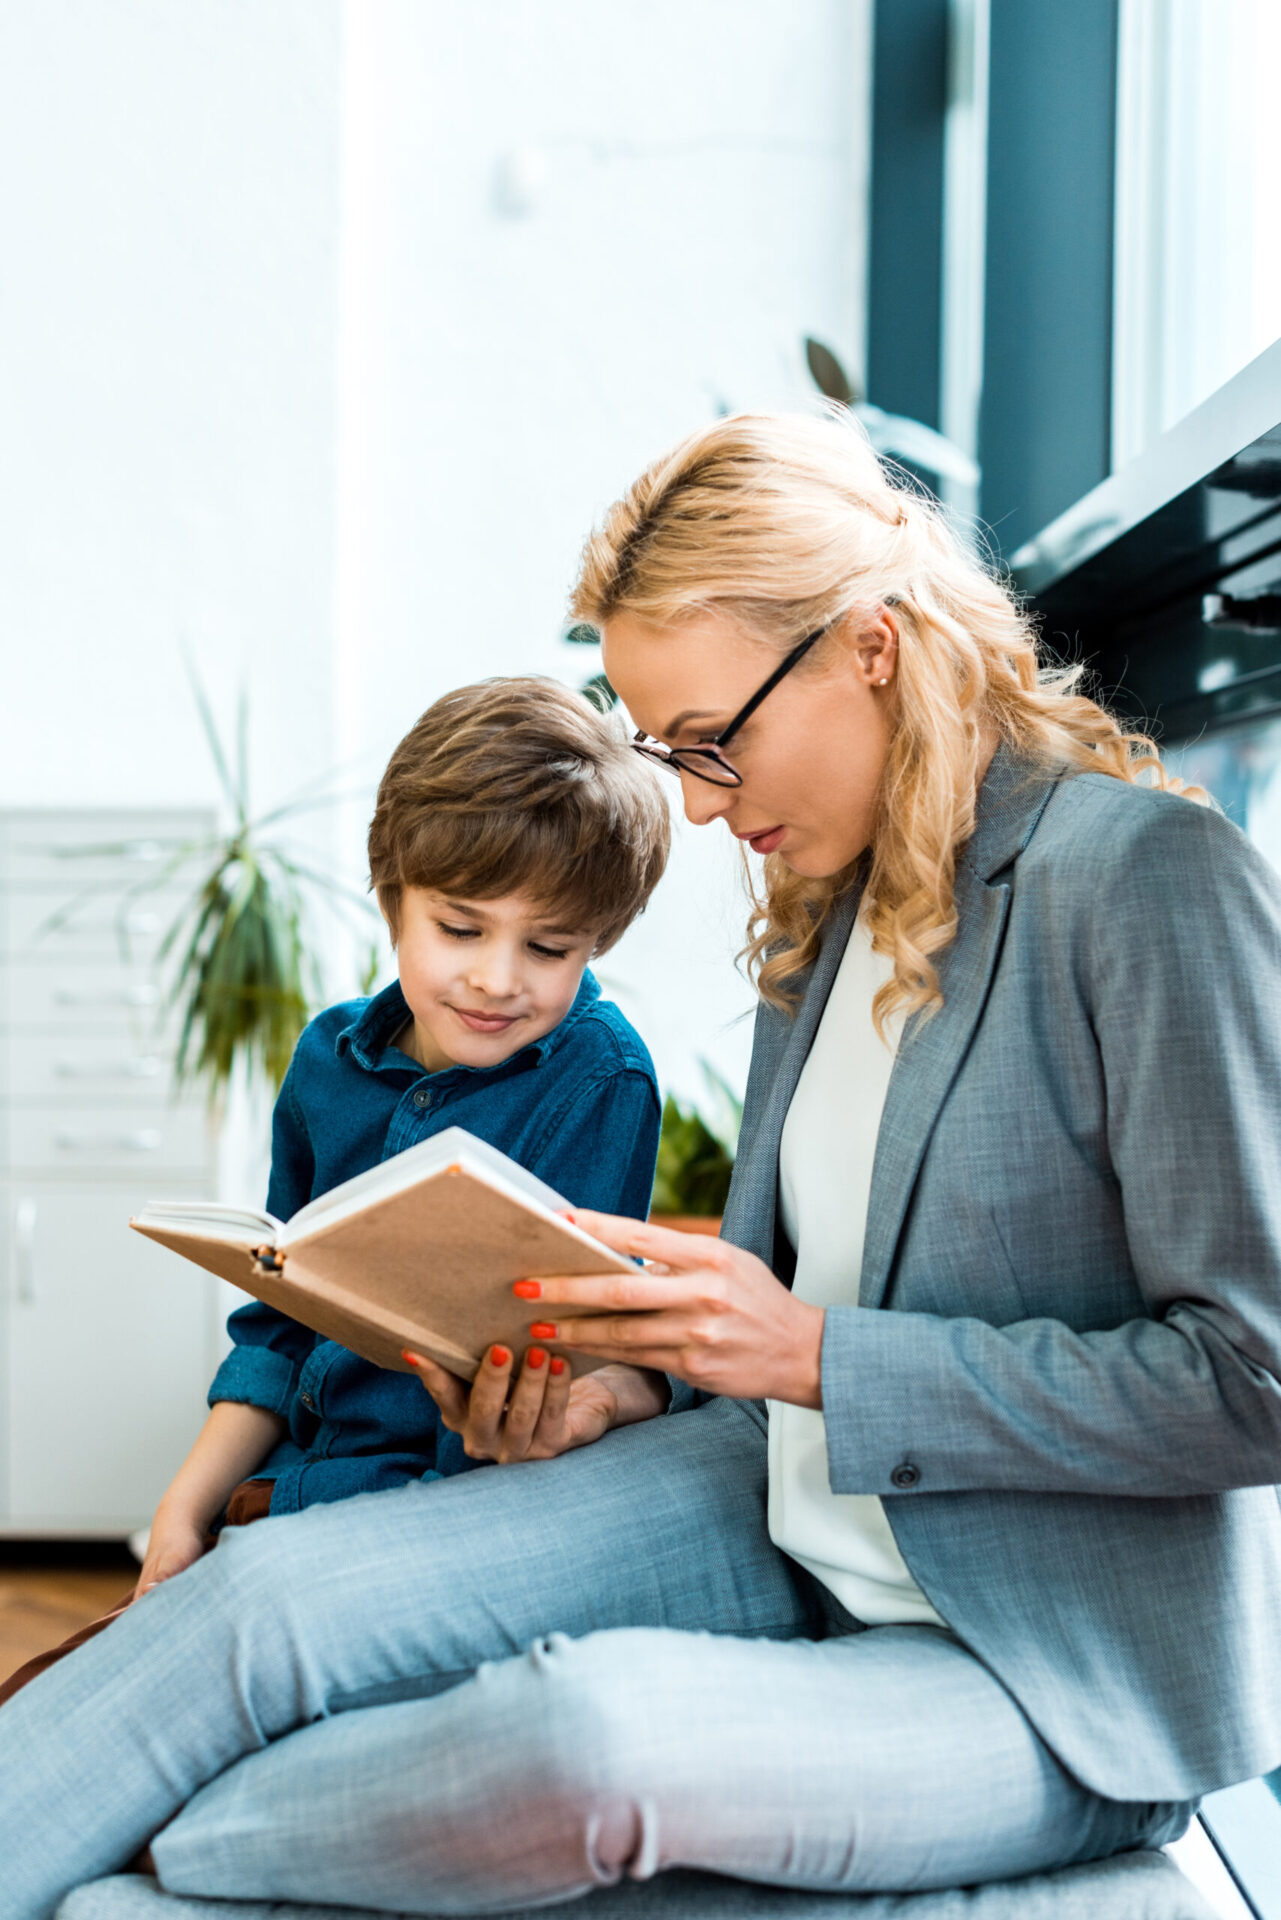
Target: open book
419 1252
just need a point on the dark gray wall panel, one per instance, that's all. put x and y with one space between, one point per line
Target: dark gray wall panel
1045 419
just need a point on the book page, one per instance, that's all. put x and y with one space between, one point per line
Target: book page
455 1146
241 1224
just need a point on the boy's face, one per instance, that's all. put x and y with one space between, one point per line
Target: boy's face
483 978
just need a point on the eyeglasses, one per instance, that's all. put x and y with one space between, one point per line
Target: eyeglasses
708 761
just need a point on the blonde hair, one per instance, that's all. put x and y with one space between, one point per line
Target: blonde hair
787 523
520 786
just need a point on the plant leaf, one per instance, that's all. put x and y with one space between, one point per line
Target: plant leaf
600 693
693 1171
338 889
302 802
212 739
242 754
727 1107
827 373
369 972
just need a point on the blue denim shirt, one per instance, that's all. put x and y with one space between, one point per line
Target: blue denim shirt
579 1108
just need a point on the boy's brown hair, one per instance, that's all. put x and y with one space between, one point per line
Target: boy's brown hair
520 786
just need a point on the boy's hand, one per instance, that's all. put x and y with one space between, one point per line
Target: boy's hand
543 1414
176 1543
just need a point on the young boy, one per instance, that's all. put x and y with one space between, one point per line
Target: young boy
515 836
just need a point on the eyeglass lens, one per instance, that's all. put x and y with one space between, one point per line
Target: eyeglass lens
704 764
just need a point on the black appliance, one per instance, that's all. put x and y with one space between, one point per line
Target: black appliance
1166 578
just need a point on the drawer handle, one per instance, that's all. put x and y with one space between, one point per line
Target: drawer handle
143 852
74 927
141 996
142 1140
24 1252
145 1067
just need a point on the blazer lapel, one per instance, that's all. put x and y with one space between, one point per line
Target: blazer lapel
1010 803
929 1057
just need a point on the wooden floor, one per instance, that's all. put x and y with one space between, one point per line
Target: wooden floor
45 1594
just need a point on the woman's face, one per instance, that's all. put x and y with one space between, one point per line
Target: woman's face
811 756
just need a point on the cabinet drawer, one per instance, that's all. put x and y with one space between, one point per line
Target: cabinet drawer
71 1140
50 928
94 849
108 1358
70 998
116 1066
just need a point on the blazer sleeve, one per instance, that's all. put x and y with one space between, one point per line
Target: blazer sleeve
268 1347
1182 965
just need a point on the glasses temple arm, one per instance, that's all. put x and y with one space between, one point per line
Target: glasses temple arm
784 666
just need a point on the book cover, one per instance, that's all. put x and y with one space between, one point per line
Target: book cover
420 1252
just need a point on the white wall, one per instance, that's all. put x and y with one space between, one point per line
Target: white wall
168 199
696 174
288 374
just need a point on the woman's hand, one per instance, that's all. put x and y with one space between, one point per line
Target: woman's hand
544 1413
175 1543
701 1309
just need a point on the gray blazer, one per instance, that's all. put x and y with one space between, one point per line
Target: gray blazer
1063 1375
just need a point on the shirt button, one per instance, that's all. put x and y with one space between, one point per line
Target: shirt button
905 1477
309 1402
422 1099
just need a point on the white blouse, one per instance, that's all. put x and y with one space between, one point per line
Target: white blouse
825 1179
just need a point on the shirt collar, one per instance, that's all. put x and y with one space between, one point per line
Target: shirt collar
374 1029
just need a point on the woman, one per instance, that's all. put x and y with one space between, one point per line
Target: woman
992 1585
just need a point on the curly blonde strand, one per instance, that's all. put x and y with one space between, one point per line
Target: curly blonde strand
787 523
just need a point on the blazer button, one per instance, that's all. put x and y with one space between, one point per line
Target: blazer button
308 1402
422 1099
905 1477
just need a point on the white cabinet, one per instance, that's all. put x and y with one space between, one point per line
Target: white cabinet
107 1361
107 1343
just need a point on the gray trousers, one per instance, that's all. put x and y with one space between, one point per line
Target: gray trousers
507 1688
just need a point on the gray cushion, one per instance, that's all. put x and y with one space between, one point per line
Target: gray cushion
1134 1886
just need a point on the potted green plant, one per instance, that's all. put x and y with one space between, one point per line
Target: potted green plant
244 976
243 973
696 1158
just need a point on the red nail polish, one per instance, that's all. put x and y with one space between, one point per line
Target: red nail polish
558 1365
535 1357
542 1330
527 1289
499 1356
412 1358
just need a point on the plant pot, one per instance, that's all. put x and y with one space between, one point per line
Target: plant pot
687 1222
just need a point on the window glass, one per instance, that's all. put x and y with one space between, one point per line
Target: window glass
1197 265
1241 767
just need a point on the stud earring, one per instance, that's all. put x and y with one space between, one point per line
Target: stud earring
884 681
